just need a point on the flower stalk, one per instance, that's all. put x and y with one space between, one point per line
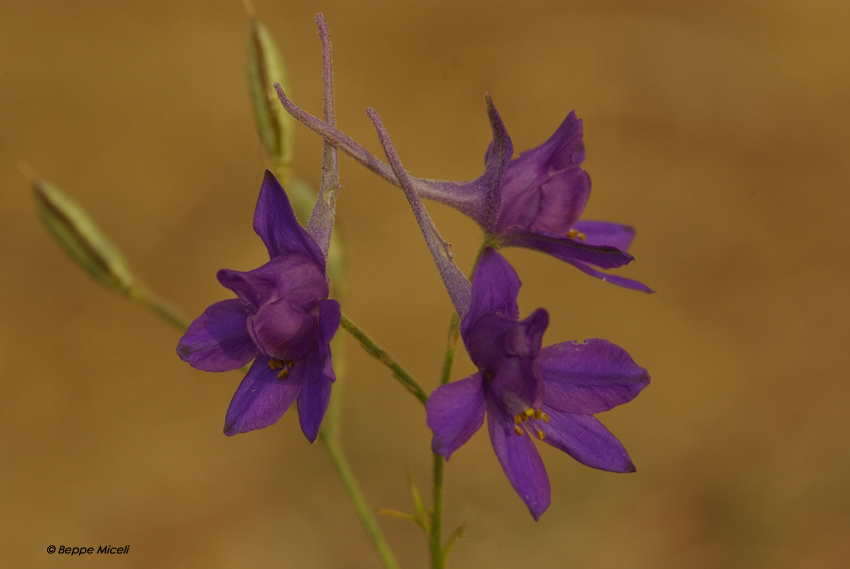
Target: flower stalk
385 358
358 500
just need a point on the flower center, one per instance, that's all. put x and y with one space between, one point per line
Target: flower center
283 366
573 233
527 415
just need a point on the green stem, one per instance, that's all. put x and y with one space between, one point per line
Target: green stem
355 494
451 348
146 297
438 559
378 352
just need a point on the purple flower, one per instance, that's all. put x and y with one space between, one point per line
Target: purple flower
528 393
281 318
533 201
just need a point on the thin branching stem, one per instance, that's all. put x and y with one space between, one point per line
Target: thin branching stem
385 358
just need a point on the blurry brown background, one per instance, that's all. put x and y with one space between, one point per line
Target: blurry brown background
721 131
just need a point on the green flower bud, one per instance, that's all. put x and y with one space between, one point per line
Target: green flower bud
265 68
80 236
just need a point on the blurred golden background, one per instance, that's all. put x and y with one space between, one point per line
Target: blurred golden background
721 131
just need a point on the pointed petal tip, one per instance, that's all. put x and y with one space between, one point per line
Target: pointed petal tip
537 511
311 438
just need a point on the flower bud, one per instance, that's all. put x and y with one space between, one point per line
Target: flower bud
265 68
80 237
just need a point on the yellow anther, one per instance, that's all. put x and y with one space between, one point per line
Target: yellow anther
283 374
528 412
574 233
517 419
539 414
518 429
540 434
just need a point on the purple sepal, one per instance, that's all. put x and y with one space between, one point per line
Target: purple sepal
315 394
520 461
261 399
585 439
589 377
275 223
495 288
217 340
455 412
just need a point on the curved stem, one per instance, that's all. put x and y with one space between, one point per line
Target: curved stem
358 500
381 354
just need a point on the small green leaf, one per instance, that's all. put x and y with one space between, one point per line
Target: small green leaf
418 505
458 532
80 236
397 514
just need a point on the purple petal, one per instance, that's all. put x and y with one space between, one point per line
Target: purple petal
455 412
495 288
613 279
283 331
563 150
516 385
589 377
456 284
218 339
567 249
260 400
297 278
321 221
275 223
553 205
520 461
315 392
585 439
605 233
544 189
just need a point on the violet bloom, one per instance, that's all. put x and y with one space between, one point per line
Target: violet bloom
281 318
533 201
528 393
